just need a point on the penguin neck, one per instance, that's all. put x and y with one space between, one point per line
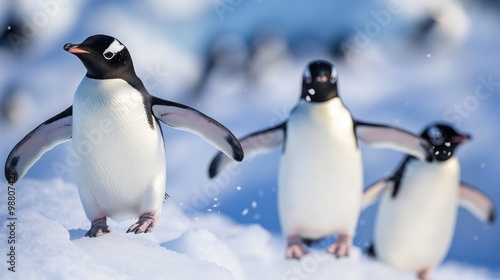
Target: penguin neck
327 109
450 161
319 93
127 75
448 169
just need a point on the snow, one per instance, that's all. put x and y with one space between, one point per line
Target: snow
390 80
244 212
50 244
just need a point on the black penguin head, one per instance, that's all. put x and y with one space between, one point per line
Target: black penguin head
444 139
104 57
319 83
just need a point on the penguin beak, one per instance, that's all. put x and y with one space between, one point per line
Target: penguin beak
74 49
461 138
322 77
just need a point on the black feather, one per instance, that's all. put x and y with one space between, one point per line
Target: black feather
235 145
370 252
492 216
213 170
310 241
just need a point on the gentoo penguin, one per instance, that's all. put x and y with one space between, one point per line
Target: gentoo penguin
321 178
115 127
418 209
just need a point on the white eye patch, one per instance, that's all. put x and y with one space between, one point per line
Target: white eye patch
112 50
333 76
307 75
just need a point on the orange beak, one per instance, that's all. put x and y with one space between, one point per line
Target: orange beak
460 138
77 50
74 49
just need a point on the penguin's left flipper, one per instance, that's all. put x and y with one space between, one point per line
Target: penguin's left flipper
477 203
186 118
256 143
50 133
373 192
383 136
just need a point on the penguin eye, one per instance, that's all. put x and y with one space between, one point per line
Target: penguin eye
108 55
436 136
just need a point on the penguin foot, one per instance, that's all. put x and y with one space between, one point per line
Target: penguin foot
98 228
295 249
423 275
145 224
341 247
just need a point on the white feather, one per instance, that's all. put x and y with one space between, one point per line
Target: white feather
320 182
414 230
120 159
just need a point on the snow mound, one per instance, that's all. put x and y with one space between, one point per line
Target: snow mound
45 251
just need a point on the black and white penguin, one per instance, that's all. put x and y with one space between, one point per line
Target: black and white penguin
321 177
115 127
418 209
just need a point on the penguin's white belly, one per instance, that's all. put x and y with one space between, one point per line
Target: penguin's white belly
120 158
414 230
320 183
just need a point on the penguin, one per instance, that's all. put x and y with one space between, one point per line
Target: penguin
114 125
416 217
439 25
321 178
226 57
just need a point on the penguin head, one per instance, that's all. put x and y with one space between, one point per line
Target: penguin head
444 139
319 83
104 57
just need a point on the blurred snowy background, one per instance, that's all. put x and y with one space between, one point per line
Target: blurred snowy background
405 63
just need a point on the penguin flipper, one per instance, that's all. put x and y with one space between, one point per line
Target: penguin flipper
477 203
50 133
183 117
383 136
372 193
256 143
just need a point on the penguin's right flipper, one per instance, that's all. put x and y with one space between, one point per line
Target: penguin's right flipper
477 203
372 193
183 117
253 144
384 136
50 133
